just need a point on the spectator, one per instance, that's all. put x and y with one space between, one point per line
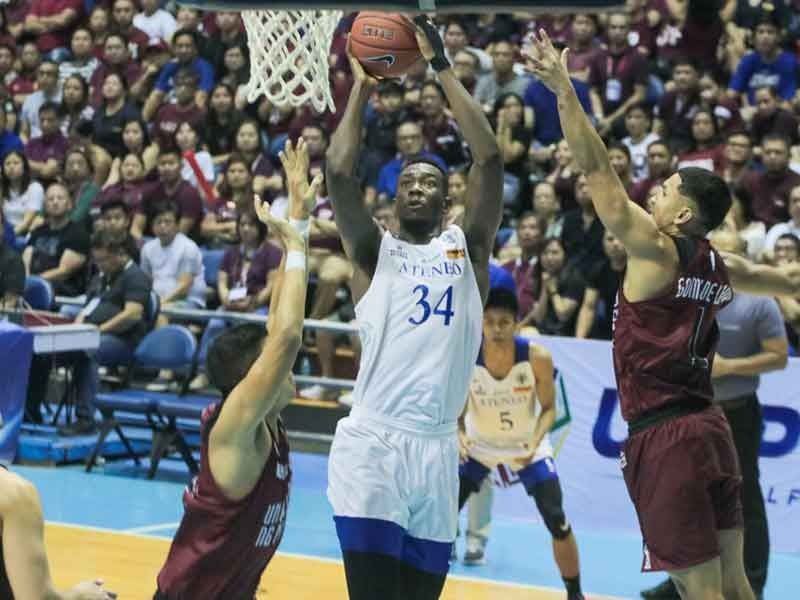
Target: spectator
561 292
659 167
23 196
618 76
12 272
466 66
770 118
79 179
115 59
173 261
583 47
740 220
410 142
502 80
229 34
47 92
172 188
266 180
137 141
126 183
738 155
156 55
51 23
380 141
563 175
115 217
117 299
8 74
188 141
383 215
25 83
455 39
457 191
530 238
113 114
514 138
726 111
766 65
99 25
236 195
620 158
582 232
596 316
58 249
15 13
122 12
791 226
770 188
638 121
705 152
184 47
442 135
83 61
546 125
185 108
46 151
547 208
316 140
155 21
9 141
677 107
787 249
244 281
74 105
221 123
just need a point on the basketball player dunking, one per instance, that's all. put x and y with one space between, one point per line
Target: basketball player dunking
235 509
679 461
509 412
393 468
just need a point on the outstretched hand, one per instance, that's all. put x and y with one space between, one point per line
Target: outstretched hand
430 43
91 590
302 194
357 69
544 61
286 234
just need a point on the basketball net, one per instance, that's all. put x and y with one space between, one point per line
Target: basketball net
289 52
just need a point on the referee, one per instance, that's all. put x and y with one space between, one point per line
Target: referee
752 341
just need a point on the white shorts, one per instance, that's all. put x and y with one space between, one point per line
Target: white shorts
405 477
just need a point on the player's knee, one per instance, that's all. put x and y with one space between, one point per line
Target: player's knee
548 499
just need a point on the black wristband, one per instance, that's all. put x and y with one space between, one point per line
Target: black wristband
439 63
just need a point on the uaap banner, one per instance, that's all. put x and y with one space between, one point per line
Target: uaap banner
16 350
588 461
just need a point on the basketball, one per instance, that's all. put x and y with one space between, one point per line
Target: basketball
384 43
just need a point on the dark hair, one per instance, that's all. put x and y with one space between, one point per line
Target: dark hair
736 133
776 137
84 87
164 207
714 125
390 87
192 34
769 88
25 180
792 238
660 142
498 103
112 241
686 61
116 34
122 81
318 127
615 145
142 126
254 123
642 107
502 299
709 192
251 214
84 152
49 107
428 160
745 198
232 354
110 205
225 190
435 85
198 132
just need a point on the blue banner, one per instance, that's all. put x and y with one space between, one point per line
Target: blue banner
16 351
595 496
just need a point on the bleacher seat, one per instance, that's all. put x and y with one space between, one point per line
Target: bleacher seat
172 409
38 293
172 347
212 259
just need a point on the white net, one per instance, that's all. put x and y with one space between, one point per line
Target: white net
289 52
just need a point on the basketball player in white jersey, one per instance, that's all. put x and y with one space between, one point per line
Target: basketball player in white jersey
393 468
509 412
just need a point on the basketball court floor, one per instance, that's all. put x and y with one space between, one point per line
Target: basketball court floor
116 525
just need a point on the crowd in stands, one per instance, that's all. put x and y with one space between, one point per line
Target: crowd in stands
129 154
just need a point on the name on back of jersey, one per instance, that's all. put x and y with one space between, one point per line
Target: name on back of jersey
703 290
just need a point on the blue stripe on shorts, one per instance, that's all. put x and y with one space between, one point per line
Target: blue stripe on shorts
541 470
357 534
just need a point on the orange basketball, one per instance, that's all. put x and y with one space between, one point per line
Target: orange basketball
384 43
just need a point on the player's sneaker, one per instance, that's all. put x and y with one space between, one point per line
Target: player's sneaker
475 556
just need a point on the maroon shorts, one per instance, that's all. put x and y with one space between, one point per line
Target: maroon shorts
684 479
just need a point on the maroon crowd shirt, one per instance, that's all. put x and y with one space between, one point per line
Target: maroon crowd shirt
664 347
223 546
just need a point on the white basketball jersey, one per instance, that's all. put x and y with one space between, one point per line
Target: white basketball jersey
420 328
502 414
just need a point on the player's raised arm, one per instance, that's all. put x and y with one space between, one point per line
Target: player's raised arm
360 235
265 384
484 197
625 219
762 280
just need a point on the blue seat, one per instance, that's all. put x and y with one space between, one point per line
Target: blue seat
38 293
212 260
172 409
172 347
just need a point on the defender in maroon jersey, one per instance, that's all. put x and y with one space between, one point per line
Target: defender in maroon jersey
679 461
235 509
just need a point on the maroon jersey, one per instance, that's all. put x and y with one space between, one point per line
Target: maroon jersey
223 546
664 347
